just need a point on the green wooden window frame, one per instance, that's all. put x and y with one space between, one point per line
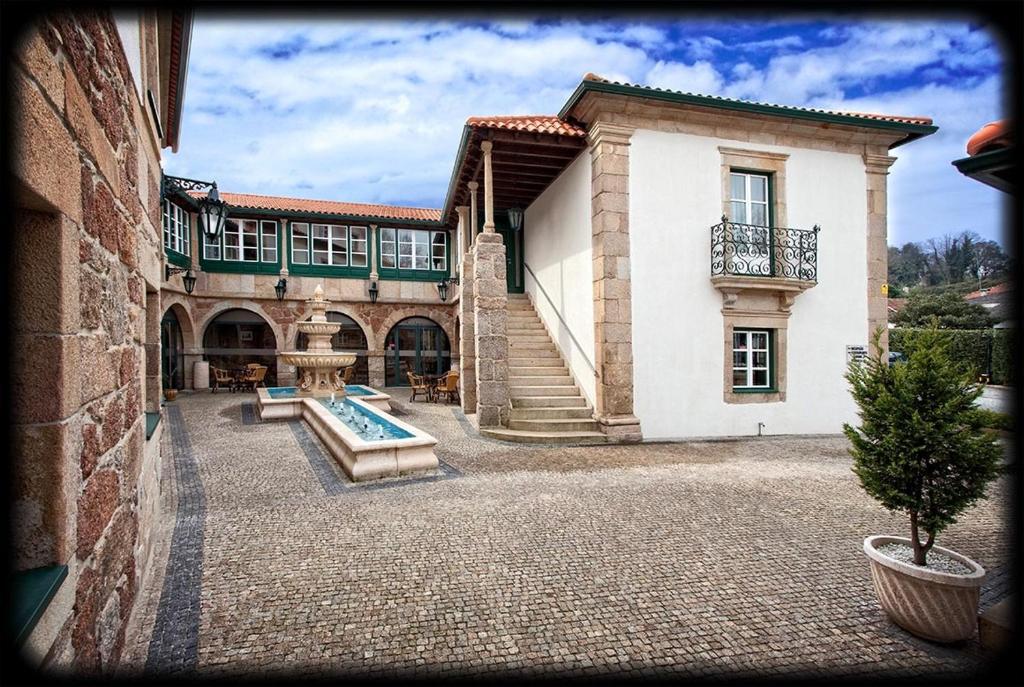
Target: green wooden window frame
303 264
394 250
770 176
772 387
177 234
213 258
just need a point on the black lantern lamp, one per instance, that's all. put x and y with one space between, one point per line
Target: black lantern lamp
373 291
280 288
189 280
213 212
442 289
515 218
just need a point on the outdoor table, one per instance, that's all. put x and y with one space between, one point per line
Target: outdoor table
431 382
238 375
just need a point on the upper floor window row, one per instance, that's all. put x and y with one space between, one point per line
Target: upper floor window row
176 229
244 240
329 245
414 249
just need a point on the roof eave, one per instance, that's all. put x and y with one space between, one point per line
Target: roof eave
449 197
183 19
913 131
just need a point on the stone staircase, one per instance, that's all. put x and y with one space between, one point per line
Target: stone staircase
547 406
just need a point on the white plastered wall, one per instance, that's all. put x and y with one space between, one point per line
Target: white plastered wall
557 247
675 188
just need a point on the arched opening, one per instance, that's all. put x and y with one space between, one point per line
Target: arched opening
418 345
349 338
237 337
172 351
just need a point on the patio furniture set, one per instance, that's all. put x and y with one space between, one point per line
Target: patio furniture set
239 378
435 388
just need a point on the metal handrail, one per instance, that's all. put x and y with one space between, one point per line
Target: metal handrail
560 318
756 251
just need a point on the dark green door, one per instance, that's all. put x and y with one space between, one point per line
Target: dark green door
514 278
416 345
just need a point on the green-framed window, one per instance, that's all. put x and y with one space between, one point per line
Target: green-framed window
413 254
245 245
177 234
326 249
753 360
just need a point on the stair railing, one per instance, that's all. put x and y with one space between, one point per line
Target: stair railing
561 319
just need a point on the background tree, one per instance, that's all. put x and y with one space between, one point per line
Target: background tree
920 448
949 310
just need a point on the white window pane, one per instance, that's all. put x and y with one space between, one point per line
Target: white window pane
759 188
230 253
739 377
759 340
421 262
760 378
387 234
739 340
387 260
739 359
759 215
738 212
760 359
738 186
300 256
404 262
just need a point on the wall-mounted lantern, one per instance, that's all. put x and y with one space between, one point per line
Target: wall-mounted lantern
374 290
281 288
212 210
442 289
189 280
515 218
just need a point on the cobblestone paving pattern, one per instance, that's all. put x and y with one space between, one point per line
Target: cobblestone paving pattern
700 559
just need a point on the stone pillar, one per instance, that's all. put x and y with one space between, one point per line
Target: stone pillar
488 188
877 167
467 336
490 316
473 217
375 369
372 239
613 342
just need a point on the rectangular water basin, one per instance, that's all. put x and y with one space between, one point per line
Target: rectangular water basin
282 402
350 390
367 425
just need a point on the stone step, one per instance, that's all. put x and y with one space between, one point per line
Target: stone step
537 371
527 437
554 413
539 337
549 402
529 346
524 327
542 356
527 391
554 425
536 361
553 380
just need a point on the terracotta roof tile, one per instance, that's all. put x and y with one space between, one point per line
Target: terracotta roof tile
330 207
862 115
991 136
545 124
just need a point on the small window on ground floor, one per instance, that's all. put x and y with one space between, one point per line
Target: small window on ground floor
752 359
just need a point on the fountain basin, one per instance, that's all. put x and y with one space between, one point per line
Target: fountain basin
404 450
284 403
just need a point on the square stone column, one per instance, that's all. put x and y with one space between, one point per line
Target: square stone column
466 333
375 369
490 317
877 167
613 319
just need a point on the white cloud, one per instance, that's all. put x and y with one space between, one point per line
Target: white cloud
699 77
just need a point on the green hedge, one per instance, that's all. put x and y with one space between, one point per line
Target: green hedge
980 350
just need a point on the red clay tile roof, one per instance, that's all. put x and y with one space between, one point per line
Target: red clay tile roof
862 115
897 304
545 124
989 137
1005 287
331 207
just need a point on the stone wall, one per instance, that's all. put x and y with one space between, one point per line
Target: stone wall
85 178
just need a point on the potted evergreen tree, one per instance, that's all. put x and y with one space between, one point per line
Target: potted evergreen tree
921 450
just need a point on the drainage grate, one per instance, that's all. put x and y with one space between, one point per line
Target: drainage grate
249 414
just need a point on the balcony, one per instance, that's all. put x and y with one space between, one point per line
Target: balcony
755 259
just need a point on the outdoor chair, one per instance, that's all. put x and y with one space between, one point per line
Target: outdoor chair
222 378
255 376
419 386
449 386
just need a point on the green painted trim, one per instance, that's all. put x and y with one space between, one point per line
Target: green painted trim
396 274
32 591
337 271
453 180
913 131
240 266
176 258
152 420
986 162
772 387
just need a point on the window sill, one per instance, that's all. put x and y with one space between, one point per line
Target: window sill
176 258
754 396
33 591
152 420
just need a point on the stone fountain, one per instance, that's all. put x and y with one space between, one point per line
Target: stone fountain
319 366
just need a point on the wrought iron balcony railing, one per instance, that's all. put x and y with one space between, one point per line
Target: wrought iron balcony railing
752 251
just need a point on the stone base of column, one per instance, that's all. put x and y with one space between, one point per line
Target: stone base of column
621 429
467 338
375 370
490 315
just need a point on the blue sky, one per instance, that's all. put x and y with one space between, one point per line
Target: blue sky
372 111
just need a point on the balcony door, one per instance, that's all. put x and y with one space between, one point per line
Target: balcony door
751 214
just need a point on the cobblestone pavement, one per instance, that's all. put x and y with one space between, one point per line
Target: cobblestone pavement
699 559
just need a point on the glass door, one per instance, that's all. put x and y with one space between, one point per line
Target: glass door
416 345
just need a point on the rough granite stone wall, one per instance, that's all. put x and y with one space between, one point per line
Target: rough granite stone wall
85 170
490 315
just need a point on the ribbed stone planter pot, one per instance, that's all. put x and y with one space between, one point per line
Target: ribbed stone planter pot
939 606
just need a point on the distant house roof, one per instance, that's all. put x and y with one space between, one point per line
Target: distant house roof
897 304
991 155
1003 289
325 207
914 126
544 124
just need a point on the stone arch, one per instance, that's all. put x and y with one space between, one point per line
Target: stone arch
183 311
351 313
239 305
442 318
